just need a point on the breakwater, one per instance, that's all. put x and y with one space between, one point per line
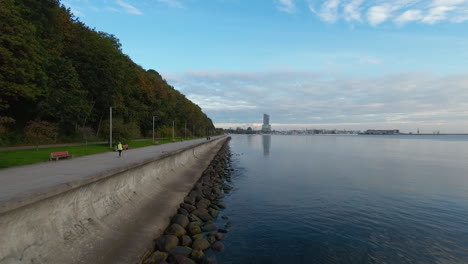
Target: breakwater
111 217
193 236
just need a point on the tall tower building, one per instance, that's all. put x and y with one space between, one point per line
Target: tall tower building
266 128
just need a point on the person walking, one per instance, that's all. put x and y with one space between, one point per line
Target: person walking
120 148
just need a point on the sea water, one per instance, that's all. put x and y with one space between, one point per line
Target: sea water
348 199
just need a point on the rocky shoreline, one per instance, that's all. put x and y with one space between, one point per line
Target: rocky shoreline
192 236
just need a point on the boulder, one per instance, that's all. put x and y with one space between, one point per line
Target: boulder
181 220
200 244
194 228
182 211
166 243
219 236
181 251
206 217
220 204
175 230
199 211
210 260
156 257
195 218
213 212
218 246
187 207
197 255
177 259
190 200
211 239
197 236
185 241
209 228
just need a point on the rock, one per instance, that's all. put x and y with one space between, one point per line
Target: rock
218 246
156 257
206 217
214 206
227 187
203 203
197 236
182 211
222 230
209 228
181 220
199 211
213 212
200 244
220 204
166 243
197 255
219 236
211 239
176 230
187 207
224 217
190 200
210 260
194 228
228 225
181 251
185 241
195 218
176 259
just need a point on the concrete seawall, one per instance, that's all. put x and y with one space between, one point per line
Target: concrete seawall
110 218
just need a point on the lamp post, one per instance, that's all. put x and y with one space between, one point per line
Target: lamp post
173 123
153 129
110 126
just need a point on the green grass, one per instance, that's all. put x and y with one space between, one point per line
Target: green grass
28 156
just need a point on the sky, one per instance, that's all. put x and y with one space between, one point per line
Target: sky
322 64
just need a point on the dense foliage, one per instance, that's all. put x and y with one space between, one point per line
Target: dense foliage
55 70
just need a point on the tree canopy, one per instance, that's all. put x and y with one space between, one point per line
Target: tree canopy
55 69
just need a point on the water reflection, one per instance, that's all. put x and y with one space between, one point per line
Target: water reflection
266 141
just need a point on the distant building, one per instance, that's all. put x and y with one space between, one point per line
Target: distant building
382 132
266 127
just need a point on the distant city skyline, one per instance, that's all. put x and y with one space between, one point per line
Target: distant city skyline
345 64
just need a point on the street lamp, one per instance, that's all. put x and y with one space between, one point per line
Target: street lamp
110 126
153 128
173 123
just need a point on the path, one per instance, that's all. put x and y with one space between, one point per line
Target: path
22 183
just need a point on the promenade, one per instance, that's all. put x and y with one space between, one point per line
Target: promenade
24 184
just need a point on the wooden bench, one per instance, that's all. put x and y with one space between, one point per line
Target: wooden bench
125 147
60 154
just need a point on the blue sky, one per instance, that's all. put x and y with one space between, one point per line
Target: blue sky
353 64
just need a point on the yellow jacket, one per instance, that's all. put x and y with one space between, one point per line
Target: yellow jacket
119 147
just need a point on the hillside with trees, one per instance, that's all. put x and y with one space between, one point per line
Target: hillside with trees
58 79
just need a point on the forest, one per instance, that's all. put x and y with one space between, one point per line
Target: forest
59 78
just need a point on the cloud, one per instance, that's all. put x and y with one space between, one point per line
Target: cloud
409 16
172 3
129 8
287 6
328 11
379 14
399 12
306 97
352 10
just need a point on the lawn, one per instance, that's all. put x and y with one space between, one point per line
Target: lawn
28 156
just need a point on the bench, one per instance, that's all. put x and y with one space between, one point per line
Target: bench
125 147
60 154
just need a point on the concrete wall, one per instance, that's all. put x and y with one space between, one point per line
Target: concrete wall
112 220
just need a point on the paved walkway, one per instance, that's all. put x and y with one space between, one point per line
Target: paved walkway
23 182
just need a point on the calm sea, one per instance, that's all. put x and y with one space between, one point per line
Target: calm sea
348 199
